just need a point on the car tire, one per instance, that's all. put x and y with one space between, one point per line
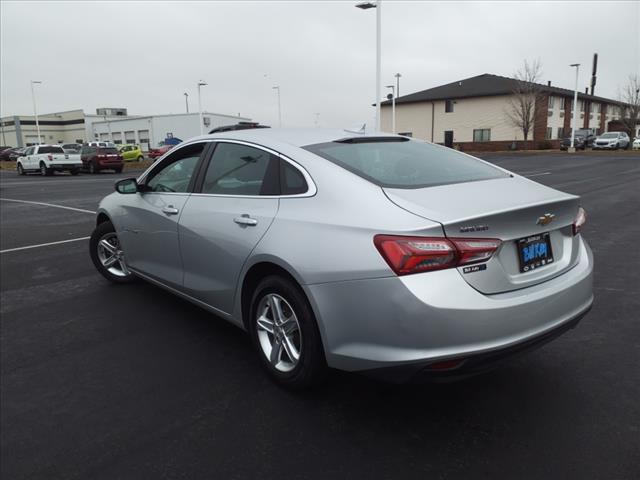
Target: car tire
75 171
301 338
20 169
118 170
117 271
93 169
44 171
140 158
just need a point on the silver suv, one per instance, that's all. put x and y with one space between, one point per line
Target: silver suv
612 140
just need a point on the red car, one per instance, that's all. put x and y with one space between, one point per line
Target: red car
158 152
95 159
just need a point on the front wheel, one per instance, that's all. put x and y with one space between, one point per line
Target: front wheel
285 334
20 169
107 254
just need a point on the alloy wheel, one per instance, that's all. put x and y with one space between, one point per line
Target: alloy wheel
111 255
278 332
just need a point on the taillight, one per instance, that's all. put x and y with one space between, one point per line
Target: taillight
581 219
50 157
407 255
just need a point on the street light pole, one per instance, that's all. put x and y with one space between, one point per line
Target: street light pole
575 108
201 83
397 75
378 6
35 110
186 101
393 108
277 88
378 62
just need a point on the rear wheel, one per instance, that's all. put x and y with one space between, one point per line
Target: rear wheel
44 171
93 168
140 158
20 169
107 254
75 171
285 334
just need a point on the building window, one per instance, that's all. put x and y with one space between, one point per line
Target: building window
552 101
448 106
581 103
596 108
560 132
549 133
482 135
562 99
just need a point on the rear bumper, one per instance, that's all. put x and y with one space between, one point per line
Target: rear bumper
64 167
108 164
413 321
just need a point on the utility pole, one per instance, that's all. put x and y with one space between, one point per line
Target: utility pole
575 108
277 88
35 110
397 75
186 101
201 83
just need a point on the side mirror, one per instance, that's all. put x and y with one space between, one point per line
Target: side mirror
128 185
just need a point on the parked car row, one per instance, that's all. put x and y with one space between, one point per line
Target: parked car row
606 141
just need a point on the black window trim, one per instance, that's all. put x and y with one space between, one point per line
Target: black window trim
197 191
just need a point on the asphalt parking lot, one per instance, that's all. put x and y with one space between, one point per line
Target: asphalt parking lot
103 381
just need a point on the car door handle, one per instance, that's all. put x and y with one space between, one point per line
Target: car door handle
170 210
246 220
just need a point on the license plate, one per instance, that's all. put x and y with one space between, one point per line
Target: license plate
534 252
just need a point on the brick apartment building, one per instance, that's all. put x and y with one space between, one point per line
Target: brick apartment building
470 114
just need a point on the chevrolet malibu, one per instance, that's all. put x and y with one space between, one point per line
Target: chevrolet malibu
369 253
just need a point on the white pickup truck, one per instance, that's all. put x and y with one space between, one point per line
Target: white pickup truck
47 159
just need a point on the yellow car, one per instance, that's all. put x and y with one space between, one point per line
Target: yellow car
131 153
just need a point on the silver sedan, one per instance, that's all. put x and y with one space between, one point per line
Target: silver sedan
371 253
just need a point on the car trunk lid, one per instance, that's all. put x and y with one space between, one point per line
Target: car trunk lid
509 209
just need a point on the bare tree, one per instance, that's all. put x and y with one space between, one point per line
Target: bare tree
526 93
630 104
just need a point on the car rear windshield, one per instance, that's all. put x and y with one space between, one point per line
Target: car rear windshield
107 151
52 149
402 163
609 135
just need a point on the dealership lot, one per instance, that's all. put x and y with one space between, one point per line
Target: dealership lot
104 381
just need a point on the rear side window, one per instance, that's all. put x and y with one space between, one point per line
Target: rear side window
404 163
51 149
238 169
292 181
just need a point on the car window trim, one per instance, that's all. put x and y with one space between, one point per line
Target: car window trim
311 186
142 179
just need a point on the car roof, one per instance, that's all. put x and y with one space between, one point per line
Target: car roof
297 137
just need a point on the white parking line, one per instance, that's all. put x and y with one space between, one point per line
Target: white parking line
44 245
49 205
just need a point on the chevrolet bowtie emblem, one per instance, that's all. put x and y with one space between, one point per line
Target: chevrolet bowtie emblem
546 219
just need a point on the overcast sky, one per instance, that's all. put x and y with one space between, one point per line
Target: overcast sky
145 55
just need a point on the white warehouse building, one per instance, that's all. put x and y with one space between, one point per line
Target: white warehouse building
113 124
152 131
